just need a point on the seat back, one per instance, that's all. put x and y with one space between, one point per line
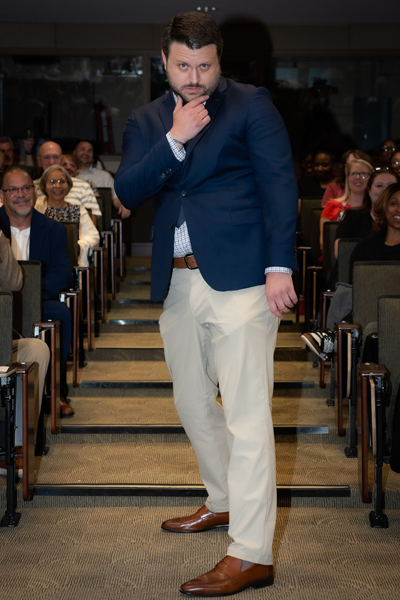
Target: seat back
315 234
105 203
28 301
389 347
345 249
306 206
328 247
73 237
6 328
370 280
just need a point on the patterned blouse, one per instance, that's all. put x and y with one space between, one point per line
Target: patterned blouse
71 213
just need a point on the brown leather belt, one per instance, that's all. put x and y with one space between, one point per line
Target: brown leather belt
185 262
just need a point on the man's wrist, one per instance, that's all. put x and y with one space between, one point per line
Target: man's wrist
278 270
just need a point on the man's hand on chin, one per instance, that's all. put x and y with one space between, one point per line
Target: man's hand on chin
280 293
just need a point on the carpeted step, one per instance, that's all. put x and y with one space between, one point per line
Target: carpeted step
149 346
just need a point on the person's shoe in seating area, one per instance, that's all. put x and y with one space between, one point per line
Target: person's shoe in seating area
18 463
320 341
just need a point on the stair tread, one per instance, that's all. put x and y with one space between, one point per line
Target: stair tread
286 410
154 340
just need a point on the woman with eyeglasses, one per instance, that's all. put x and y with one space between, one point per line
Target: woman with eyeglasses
336 188
358 222
55 183
358 174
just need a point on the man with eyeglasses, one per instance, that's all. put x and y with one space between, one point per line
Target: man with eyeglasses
395 163
388 148
24 350
34 236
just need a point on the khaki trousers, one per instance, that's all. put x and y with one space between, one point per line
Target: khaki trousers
228 339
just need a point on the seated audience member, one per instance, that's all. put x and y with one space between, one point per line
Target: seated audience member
70 164
336 188
306 165
2 163
36 237
359 222
24 350
100 178
314 187
81 193
395 163
387 149
56 183
359 172
384 245
7 146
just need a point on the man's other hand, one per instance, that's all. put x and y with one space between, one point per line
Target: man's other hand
280 293
123 212
190 119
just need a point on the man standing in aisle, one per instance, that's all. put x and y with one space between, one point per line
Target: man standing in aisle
216 157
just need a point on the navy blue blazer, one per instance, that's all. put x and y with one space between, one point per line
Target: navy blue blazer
237 187
48 243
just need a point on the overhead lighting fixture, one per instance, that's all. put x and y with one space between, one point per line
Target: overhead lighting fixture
206 9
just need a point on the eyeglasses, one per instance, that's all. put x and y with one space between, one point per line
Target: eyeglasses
388 148
54 182
13 191
362 175
396 162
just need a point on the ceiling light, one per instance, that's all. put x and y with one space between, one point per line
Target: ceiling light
206 9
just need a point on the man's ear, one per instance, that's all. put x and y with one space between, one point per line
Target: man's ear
39 160
164 59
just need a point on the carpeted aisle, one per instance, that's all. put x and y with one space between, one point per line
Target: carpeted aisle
122 554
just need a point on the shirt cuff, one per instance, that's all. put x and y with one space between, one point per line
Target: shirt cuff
179 154
278 270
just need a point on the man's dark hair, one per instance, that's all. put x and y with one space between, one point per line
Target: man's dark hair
4 139
194 29
84 142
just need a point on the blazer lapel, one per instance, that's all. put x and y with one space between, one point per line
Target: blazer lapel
166 110
37 235
212 105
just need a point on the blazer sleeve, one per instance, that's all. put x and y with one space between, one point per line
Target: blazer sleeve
272 162
88 236
58 276
143 171
10 271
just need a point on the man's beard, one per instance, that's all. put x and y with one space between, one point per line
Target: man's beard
205 90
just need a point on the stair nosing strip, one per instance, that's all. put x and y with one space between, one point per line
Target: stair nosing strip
176 428
168 384
96 489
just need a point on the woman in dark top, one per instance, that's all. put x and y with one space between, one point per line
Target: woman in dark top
384 245
315 186
358 222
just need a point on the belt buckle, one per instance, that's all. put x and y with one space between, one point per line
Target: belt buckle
187 264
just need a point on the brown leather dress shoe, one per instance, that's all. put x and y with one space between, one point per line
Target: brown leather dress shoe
227 578
65 409
202 520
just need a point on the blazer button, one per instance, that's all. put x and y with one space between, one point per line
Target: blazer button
171 225
183 193
162 176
